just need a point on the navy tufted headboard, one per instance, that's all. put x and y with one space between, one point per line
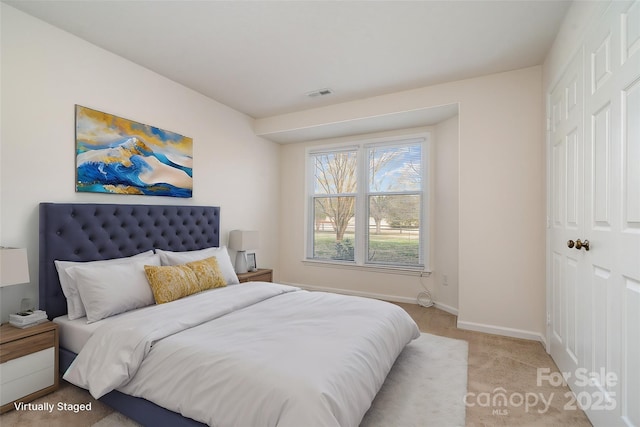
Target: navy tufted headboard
88 232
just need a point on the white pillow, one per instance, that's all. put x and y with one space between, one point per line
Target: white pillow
221 254
75 309
107 290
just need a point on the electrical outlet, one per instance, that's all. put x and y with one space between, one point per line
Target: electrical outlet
445 280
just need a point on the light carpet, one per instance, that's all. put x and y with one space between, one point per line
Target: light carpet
425 387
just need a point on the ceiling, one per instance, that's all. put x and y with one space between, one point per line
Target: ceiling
263 57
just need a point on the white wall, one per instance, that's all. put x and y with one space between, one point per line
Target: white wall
45 71
500 160
501 231
349 280
447 213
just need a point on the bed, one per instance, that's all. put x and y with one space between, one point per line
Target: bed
234 317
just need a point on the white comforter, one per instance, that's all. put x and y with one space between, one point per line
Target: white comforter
257 354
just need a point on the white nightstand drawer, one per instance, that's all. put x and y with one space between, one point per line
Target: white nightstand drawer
26 375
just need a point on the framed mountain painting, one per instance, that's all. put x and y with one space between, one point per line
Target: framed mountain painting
116 155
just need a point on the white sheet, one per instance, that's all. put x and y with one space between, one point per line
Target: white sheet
256 354
75 333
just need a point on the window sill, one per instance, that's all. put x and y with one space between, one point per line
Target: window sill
408 271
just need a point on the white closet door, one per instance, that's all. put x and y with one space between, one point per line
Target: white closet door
597 292
567 214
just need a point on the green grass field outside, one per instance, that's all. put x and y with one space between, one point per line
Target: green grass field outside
393 247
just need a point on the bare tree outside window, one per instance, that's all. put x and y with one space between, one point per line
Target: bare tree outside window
395 204
392 206
335 187
379 206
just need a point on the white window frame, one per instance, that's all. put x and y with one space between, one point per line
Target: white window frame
362 192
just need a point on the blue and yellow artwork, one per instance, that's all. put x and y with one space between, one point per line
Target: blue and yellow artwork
116 155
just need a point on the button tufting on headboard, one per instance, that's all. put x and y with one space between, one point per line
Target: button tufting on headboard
87 232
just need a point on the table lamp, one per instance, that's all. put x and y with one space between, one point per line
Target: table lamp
241 241
14 270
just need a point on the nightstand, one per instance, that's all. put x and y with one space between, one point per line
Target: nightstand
28 363
260 275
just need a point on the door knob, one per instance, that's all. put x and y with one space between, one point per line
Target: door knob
580 245
571 243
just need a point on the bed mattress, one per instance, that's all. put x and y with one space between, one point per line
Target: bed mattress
257 354
74 334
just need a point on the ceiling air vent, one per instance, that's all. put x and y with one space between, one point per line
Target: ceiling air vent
320 92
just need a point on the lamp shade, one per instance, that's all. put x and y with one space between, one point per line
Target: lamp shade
14 268
243 240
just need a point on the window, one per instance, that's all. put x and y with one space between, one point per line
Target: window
367 203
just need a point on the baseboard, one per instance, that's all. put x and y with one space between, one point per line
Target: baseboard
471 326
445 307
384 297
501 330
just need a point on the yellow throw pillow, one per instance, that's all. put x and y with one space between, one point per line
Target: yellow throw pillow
169 283
208 273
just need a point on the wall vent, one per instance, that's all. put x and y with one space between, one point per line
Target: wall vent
320 92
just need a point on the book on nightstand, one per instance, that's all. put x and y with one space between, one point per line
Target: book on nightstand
24 319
